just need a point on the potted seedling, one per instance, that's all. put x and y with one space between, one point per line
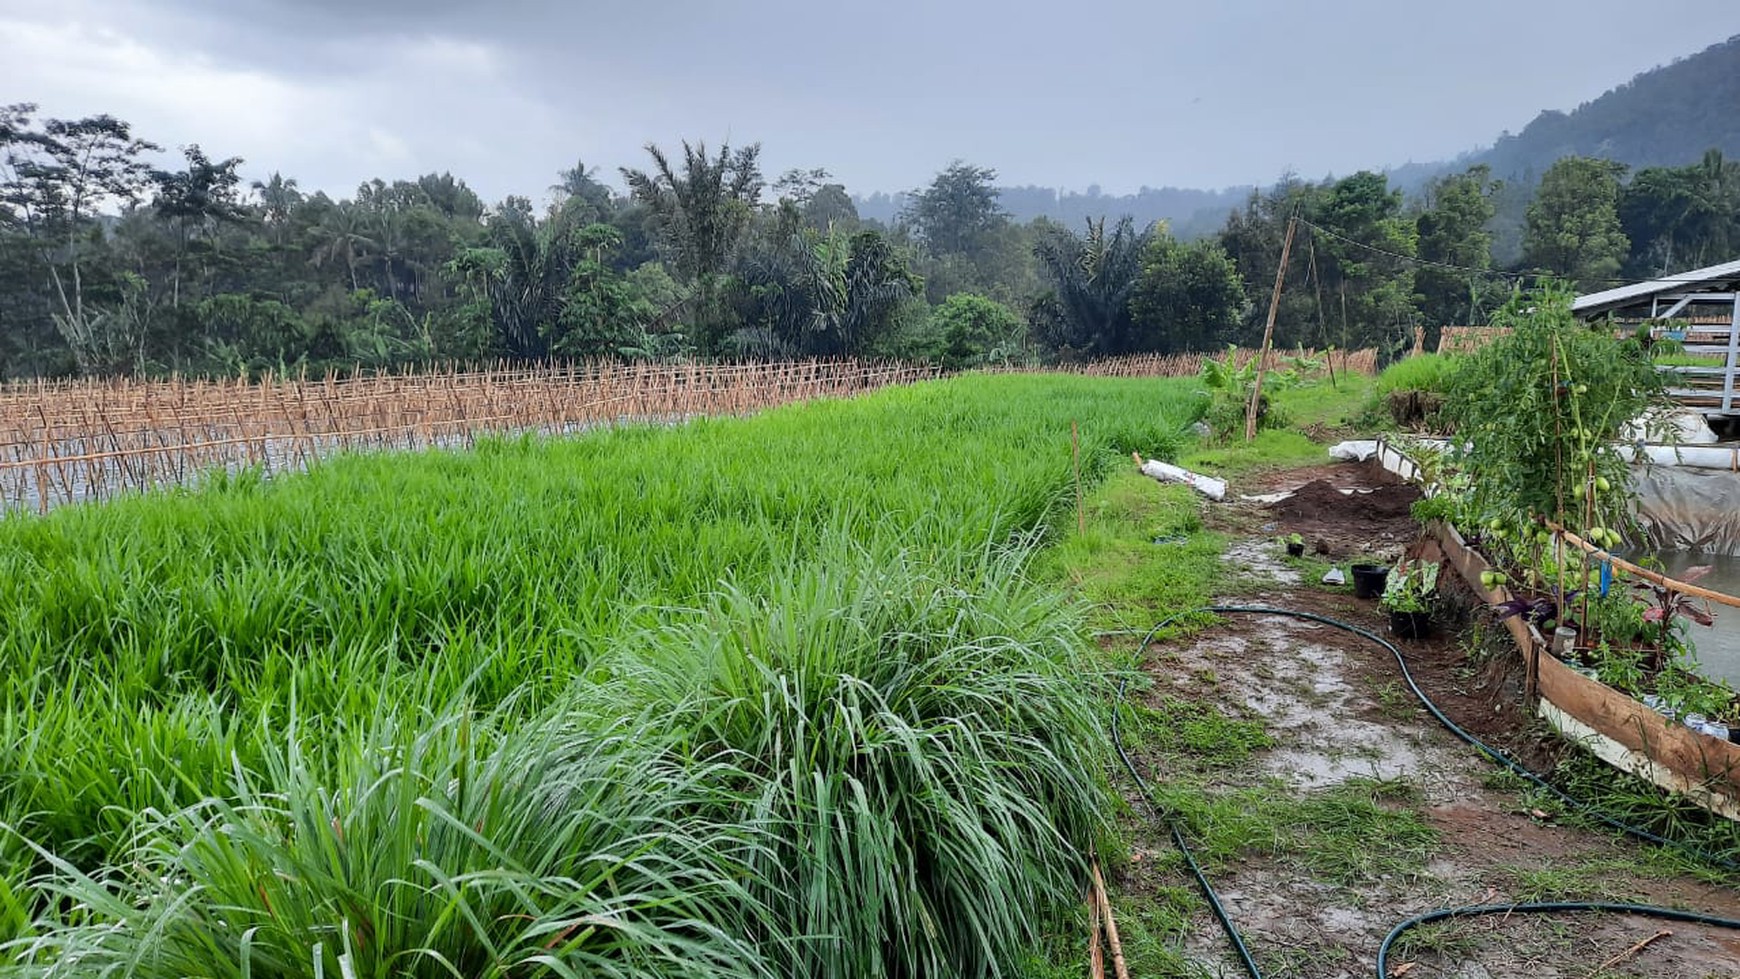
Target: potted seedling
1295 545
1408 598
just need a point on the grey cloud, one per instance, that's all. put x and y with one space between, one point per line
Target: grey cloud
1124 93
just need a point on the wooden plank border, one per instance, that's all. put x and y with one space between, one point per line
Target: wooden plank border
1614 727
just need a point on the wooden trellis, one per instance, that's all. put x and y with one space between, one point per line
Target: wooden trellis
62 441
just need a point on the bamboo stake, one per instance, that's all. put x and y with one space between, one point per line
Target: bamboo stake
1096 955
1121 970
1684 587
1269 331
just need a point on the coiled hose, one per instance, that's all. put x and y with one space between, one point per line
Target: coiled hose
1175 824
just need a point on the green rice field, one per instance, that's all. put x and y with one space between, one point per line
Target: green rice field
746 697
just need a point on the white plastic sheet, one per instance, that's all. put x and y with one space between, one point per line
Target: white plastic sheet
1726 457
1214 489
1685 426
1355 451
1689 508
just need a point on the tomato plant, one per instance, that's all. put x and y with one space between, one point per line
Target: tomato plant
1538 415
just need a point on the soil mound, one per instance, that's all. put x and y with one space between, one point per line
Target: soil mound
1342 525
1319 499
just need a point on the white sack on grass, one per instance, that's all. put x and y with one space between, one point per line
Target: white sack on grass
1214 489
1358 451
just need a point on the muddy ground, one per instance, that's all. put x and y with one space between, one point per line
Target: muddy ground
1339 714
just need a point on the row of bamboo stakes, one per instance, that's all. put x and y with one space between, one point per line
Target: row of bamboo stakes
63 441
1190 364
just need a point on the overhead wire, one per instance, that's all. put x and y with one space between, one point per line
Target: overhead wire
1174 821
1415 259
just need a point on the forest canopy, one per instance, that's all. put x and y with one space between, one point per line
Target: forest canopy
115 262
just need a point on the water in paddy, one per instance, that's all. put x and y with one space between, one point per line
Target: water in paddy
1719 645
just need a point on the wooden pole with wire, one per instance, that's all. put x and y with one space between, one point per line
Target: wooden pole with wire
1269 331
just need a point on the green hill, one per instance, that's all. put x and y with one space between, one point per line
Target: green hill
1667 116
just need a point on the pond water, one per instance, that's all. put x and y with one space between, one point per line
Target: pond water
1718 646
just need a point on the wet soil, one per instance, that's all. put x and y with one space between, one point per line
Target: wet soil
1343 511
1339 709
1319 511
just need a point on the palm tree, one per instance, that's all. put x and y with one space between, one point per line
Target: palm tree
824 294
703 211
580 181
339 234
278 196
520 274
1092 279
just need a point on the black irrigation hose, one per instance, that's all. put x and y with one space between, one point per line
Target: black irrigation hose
1175 824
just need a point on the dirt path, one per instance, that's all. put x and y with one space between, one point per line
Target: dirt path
1361 810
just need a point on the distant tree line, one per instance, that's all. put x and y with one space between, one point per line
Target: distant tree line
111 265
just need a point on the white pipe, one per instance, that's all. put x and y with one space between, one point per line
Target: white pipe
1694 456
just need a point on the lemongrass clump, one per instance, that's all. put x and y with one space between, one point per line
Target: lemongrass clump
924 747
425 849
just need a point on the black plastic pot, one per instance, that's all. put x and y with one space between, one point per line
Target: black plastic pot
1368 580
1295 550
1411 625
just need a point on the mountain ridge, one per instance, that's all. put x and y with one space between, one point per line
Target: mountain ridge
1665 116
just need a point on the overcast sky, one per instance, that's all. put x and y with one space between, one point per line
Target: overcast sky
1122 93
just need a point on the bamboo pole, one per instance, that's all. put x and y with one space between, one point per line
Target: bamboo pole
1269 331
1683 587
1119 968
1096 955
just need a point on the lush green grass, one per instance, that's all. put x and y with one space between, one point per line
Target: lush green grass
1323 404
1635 802
1316 406
1690 360
1426 372
287 715
1144 555
1275 448
1349 832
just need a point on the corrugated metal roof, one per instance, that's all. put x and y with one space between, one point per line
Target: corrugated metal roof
1715 278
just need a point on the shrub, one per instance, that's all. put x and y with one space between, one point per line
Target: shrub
1230 387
